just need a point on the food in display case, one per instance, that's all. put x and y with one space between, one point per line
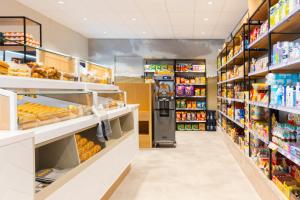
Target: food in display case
13 38
34 111
3 68
93 73
86 148
111 100
19 70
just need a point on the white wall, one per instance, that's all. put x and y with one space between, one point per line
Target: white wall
123 53
55 36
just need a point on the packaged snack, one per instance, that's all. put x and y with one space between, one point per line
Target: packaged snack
178 103
189 104
183 103
189 117
178 116
183 116
197 92
193 116
180 90
194 105
199 104
202 92
188 127
189 91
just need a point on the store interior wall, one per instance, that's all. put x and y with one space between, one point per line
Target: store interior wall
127 54
55 36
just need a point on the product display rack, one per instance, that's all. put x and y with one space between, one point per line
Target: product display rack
188 74
196 99
264 116
232 75
22 24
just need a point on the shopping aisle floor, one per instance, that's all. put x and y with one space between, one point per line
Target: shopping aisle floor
200 168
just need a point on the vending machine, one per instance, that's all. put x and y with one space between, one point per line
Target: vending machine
164 110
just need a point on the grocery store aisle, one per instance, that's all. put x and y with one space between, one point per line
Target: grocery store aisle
201 167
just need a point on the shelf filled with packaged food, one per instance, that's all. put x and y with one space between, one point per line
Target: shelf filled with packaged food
191 91
272 93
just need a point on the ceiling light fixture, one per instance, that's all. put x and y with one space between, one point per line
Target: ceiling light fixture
104 32
144 32
85 19
133 19
205 19
210 3
61 2
202 33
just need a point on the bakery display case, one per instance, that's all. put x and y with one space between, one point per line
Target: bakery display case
59 161
33 108
48 121
107 100
45 65
94 73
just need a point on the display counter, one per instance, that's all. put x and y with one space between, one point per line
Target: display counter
28 153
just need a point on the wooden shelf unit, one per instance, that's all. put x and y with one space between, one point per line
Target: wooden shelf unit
141 93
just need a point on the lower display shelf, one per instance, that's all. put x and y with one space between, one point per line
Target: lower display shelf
264 186
62 186
203 121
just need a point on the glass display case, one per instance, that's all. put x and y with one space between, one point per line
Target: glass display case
107 100
95 73
27 108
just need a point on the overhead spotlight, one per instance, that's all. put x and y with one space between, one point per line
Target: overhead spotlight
85 19
104 32
133 19
144 32
210 3
205 19
61 2
202 33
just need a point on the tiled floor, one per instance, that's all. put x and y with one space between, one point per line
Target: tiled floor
200 167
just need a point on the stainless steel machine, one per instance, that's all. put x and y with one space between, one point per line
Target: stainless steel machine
164 110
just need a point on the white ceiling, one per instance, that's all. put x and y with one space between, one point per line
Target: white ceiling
163 19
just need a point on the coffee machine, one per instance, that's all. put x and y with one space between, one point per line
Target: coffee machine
164 110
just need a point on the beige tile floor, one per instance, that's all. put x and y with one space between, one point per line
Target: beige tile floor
201 167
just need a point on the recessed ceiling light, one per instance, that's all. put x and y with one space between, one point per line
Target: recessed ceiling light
202 33
61 2
104 32
210 3
205 19
144 32
84 18
133 19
